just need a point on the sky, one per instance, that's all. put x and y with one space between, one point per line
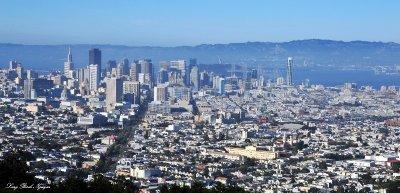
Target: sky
193 22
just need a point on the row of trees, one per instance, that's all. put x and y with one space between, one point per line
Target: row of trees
15 178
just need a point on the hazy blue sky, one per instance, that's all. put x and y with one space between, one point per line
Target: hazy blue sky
189 22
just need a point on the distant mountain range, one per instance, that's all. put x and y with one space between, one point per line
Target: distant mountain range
270 54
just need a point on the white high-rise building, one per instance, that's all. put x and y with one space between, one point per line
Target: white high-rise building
69 65
28 87
134 71
289 72
94 77
146 68
14 64
119 70
160 93
30 74
182 66
195 78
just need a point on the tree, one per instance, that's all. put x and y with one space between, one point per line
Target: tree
322 165
366 179
13 169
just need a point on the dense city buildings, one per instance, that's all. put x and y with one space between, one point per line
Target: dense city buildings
186 124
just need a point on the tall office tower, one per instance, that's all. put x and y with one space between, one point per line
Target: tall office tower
20 72
125 66
192 63
181 66
132 88
215 82
204 79
30 74
289 73
254 74
120 69
221 85
94 77
110 65
162 76
13 64
195 78
260 81
28 88
160 93
114 91
95 57
146 67
68 65
83 74
134 71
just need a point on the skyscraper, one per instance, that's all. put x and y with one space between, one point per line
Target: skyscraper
146 67
82 74
94 77
20 72
289 72
30 74
204 79
221 85
195 78
125 66
192 63
95 57
28 88
162 76
68 65
110 65
120 69
114 91
182 67
134 71
14 64
160 93
254 74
